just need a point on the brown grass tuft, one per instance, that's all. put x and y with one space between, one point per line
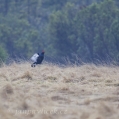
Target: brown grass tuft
4 76
84 115
105 109
8 89
24 105
96 74
27 75
87 102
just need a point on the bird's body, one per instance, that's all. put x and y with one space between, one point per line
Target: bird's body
39 59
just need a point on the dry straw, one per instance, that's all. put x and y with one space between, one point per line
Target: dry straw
63 92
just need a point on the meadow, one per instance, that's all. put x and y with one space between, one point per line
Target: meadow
51 91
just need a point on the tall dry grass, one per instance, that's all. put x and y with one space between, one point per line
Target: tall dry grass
49 91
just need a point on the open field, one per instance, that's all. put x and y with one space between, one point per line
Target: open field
52 92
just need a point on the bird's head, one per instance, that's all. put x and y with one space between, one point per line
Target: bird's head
43 52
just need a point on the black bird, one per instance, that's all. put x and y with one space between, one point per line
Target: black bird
39 59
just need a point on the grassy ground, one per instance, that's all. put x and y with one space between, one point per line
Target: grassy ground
52 92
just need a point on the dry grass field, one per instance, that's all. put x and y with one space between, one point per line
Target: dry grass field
49 91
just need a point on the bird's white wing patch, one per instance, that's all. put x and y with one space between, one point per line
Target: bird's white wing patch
34 57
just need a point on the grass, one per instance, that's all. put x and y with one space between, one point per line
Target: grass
49 91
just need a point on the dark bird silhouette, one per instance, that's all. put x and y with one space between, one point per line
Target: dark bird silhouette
39 59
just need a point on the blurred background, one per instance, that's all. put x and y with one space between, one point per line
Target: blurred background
85 30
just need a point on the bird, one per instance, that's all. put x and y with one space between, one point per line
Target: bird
39 58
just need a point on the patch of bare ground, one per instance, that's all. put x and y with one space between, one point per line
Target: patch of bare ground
49 91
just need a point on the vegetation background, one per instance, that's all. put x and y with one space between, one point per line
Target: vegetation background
76 30
88 29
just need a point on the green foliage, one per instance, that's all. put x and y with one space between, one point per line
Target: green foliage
87 32
94 28
3 54
62 25
87 28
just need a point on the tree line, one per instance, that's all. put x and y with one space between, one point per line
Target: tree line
87 29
